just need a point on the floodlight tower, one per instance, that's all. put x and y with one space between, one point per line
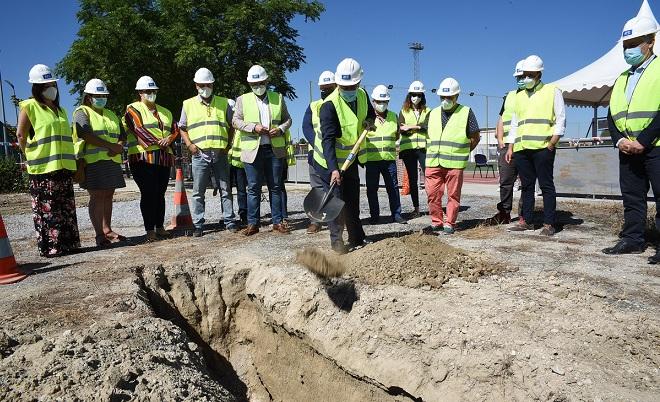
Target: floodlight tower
416 48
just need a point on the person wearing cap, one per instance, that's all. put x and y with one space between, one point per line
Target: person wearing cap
45 137
151 132
342 116
206 130
537 124
453 133
413 124
634 124
102 143
311 129
508 171
262 119
378 155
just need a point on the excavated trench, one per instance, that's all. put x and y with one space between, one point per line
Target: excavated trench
247 353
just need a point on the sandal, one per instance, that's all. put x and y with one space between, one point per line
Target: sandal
102 242
114 237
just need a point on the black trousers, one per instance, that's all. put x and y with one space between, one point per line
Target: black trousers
533 164
410 158
349 192
152 181
638 173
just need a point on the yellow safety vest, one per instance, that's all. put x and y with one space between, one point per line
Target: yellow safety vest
509 109
351 126
207 124
106 127
535 114
632 118
449 146
380 145
234 153
150 123
416 140
51 147
250 141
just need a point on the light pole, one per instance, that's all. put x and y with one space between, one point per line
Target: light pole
14 99
4 120
487 123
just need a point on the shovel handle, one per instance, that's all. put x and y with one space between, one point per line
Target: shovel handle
354 151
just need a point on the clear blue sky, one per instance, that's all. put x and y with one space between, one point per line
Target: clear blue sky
476 42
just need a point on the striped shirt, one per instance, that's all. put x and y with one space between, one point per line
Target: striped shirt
145 138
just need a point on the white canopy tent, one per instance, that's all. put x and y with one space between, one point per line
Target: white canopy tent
591 86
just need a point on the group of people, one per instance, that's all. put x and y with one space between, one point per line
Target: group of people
250 137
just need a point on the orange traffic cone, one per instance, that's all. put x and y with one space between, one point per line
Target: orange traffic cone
405 185
9 272
181 219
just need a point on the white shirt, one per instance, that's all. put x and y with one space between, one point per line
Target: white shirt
560 118
264 115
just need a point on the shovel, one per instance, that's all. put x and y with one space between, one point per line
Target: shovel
323 206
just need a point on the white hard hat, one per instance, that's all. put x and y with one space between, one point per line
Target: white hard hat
519 68
638 26
145 82
532 63
380 93
327 77
204 76
41 74
416 87
348 72
257 73
449 87
96 87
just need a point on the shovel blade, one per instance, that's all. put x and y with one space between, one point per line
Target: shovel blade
315 209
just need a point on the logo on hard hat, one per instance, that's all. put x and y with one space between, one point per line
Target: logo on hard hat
445 89
627 33
326 80
416 88
346 77
152 84
100 89
255 75
48 76
383 95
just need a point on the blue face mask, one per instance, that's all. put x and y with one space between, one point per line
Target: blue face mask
633 56
349 96
99 103
521 84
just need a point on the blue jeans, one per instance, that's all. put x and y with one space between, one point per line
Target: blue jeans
388 170
267 166
203 164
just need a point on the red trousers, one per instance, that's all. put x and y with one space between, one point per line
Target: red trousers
436 179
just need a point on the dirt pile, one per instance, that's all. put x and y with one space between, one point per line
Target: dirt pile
417 260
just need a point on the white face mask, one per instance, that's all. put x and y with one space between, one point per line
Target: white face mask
259 90
415 100
447 104
380 107
50 93
150 97
205 92
529 82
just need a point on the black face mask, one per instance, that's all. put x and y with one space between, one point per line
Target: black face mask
325 93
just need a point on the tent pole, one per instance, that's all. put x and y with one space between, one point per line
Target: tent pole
594 130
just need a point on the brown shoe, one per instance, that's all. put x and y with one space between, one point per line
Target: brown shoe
521 227
250 230
548 230
281 228
313 228
500 218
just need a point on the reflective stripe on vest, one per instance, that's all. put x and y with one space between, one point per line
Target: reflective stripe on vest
51 148
535 114
351 126
448 146
507 114
250 141
207 124
150 123
380 145
417 140
106 127
632 118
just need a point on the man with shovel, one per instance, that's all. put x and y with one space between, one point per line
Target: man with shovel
343 115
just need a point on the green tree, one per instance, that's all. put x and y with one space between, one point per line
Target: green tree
121 40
